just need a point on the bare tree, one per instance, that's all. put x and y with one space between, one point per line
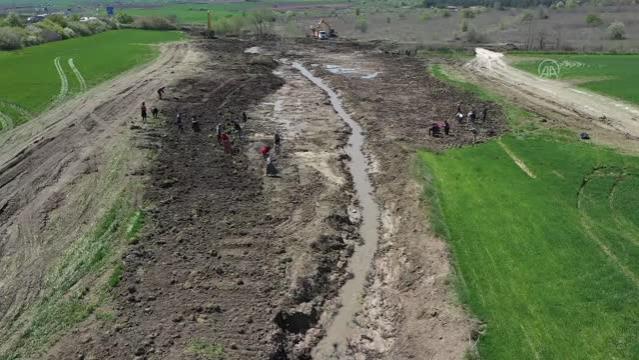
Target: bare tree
541 36
261 21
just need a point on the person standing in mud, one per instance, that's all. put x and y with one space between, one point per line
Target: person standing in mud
238 129
471 116
178 122
244 117
155 112
277 140
161 92
195 125
484 113
271 170
446 127
226 142
143 111
218 133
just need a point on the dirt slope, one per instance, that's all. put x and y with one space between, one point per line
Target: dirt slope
59 174
559 96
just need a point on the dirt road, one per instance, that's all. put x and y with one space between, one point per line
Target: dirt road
559 96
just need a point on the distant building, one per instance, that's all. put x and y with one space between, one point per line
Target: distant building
452 8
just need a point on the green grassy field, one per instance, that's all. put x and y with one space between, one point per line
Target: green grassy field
31 82
197 13
614 75
550 263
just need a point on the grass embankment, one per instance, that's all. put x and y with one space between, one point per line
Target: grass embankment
550 263
79 282
608 74
31 81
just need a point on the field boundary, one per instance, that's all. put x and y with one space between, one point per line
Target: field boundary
64 82
78 75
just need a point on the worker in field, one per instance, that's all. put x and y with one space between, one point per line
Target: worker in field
472 116
484 113
238 129
265 150
226 142
143 111
218 133
244 117
161 92
271 170
195 125
277 140
446 127
460 117
435 130
155 112
178 122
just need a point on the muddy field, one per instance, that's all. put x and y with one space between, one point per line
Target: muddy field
231 261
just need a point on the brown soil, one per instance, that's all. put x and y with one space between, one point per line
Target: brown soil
410 308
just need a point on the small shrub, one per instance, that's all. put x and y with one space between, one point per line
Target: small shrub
51 27
124 18
97 26
474 36
425 16
49 35
594 20
446 13
527 16
467 14
58 19
463 26
153 23
571 4
10 38
357 12
542 13
79 28
68 33
617 31
361 24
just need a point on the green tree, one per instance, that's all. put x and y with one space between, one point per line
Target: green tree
361 24
13 20
124 18
594 20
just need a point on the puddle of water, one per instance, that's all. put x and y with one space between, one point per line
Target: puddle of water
338 70
334 344
253 50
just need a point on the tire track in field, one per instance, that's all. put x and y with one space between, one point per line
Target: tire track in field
64 82
78 75
588 225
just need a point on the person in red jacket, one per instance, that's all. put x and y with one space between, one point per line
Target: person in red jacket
226 142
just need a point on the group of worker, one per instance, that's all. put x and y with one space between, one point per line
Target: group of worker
437 128
223 132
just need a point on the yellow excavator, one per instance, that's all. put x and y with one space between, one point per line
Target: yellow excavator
323 30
